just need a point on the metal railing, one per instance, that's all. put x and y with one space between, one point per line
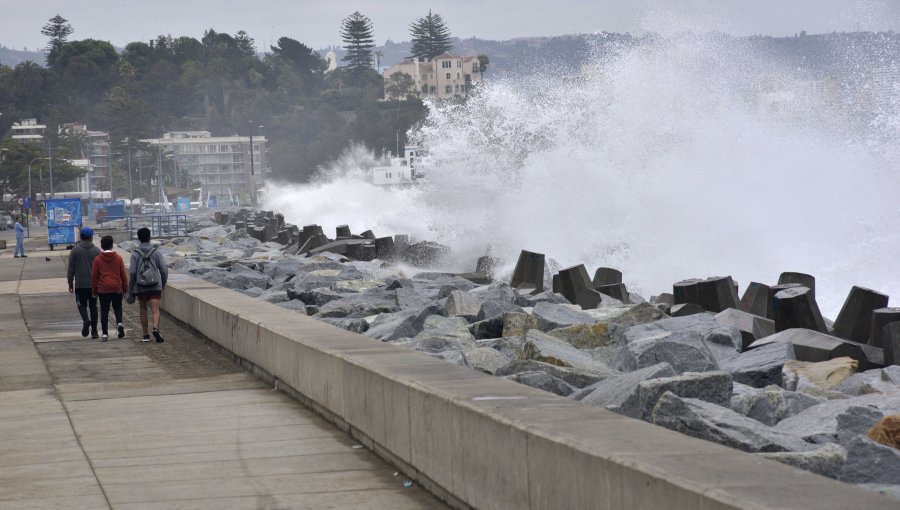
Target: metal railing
160 225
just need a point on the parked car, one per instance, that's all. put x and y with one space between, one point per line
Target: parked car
6 222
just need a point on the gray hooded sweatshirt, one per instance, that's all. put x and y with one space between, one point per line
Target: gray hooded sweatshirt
81 260
136 261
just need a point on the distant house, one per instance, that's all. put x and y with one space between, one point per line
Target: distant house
442 77
28 130
92 154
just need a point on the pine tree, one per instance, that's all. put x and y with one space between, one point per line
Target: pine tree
430 37
356 32
245 44
58 30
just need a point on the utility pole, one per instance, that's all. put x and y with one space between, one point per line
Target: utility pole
112 193
50 157
252 169
130 186
89 173
159 175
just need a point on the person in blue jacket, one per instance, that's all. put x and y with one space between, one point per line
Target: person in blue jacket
20 239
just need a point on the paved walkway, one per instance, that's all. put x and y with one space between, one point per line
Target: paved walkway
173 425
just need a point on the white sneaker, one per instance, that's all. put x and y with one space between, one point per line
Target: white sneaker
103 338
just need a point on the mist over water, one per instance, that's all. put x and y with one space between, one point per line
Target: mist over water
680 157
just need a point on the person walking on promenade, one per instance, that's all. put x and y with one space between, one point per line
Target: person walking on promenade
81 261
147 274
20 239
109 282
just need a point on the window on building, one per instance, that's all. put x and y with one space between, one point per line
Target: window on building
255 148
448 89
448 76
223 148
459 63
457 76
446 64
235 148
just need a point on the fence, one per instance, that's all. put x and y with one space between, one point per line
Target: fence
160 225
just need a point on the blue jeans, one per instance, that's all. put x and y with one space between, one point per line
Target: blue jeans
20 247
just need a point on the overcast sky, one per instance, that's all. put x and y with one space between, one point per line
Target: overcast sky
316 23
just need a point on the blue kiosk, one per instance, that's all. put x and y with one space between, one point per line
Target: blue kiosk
63 221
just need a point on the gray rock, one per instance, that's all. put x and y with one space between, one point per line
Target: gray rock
511 346
319 296
404 324
294 305
752 327
552 316
870 462
443 333
759 367
463 304
871 381
373 302
619 393
488 328
711 422
543 381
771 404
253 292
828 460
487 359
714 387
454 356
819 423
410 299
494 309
547 349
497 291
245 279
856 421
677 341
354 325
274 296
430 284
577 377
889 490
544 297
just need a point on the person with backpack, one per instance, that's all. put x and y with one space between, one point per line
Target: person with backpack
109 282
148 275
81 262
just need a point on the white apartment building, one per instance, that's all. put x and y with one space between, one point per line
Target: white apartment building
93 155
221 164
442 77
28 130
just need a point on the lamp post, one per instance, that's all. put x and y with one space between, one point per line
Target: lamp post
50 157
28 220
130 187
253 198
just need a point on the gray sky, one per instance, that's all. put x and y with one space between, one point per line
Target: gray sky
316 22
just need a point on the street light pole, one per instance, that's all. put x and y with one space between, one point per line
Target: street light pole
28 220
130 187
50 155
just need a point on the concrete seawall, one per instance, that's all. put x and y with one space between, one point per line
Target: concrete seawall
484 442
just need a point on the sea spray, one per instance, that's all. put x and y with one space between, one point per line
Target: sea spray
686 156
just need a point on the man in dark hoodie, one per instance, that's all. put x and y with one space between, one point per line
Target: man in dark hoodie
147 294
81 260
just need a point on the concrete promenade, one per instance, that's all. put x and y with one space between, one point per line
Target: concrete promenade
175 425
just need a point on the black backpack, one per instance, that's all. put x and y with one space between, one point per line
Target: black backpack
147 272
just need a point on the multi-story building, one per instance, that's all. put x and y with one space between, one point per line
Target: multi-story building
220 164
28 130
442 77
91 151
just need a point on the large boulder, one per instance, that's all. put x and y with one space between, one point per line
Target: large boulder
856 421
496 309
819 423
721 425
577 377
404 324
410 299
714 387
877 380
828 460
462 304
552 316
543 381
752 327
771 404
812 378
486 359
870 462
814 346
518 323
677 341
374 302
760 367
619 392
547 349
443 333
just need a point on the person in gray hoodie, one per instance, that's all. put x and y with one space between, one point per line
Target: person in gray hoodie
147 295
81 260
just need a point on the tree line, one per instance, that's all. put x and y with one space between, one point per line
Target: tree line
220 84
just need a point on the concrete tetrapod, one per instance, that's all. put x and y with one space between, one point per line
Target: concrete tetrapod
752 327
606 276
615 290
573 280
755 299
855 320
686 291
796 307
717 293
770 296
342 231
881 318
529 270
806 280
814 346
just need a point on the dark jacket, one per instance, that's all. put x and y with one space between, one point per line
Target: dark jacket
136 261
108 274
81 260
